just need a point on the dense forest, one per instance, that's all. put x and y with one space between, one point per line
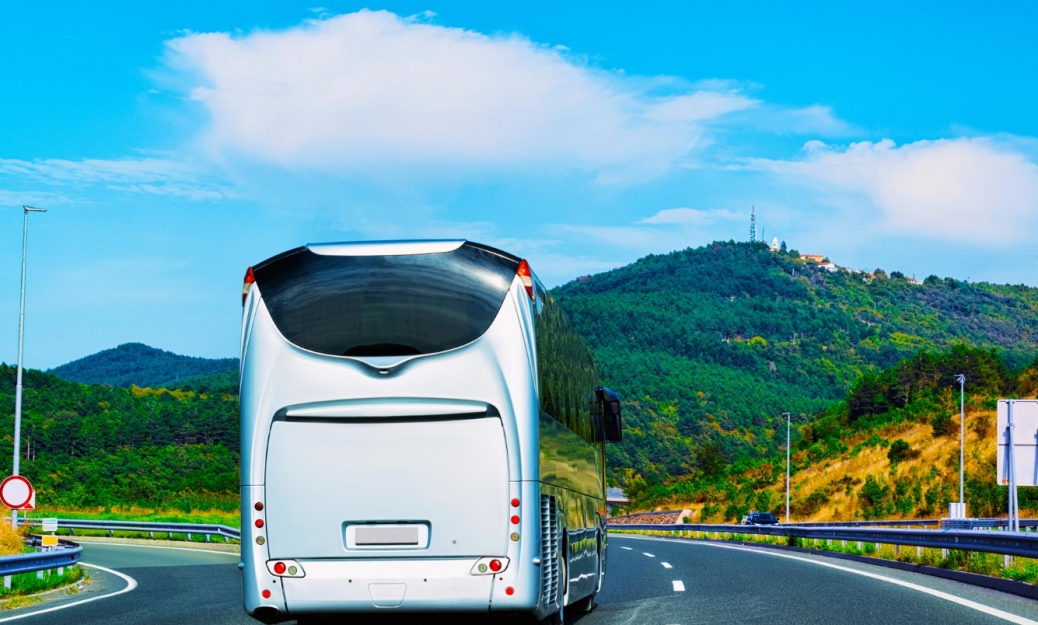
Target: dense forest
89 446
137 364
708 346
890 448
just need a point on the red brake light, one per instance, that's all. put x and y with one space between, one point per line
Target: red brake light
279 568
495 565
515 503
266 594
259 505
249 279
509 591
515 519
526 276
259 522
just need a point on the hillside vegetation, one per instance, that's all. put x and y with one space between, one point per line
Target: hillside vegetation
890 449
708 346
137 364
99 446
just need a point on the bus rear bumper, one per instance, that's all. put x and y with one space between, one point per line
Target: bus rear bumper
352 586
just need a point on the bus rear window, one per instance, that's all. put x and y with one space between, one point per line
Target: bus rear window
385 305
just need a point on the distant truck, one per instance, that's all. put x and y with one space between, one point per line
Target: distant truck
759 518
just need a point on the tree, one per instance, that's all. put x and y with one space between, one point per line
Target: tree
899 450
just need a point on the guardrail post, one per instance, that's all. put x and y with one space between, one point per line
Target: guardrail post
7 582
861 547
189 537
918 552
111 533
151 534
1006 561
897 550
207 538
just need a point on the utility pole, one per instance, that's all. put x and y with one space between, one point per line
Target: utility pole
787 465
961 378
21 339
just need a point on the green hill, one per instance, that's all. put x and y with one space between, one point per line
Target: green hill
889 449
90 446
138 364
709 346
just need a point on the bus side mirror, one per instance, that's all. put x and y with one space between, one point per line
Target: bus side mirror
612 426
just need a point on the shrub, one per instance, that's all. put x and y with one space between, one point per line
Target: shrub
899 450
942 423
11 541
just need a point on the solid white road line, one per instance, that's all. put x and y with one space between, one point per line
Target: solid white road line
648 554
973 605
226 553
679 586
130 585
666 566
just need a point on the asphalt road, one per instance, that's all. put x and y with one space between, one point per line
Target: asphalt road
665 582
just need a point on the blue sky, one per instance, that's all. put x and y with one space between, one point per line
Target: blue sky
176 145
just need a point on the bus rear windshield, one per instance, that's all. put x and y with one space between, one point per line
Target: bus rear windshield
385 305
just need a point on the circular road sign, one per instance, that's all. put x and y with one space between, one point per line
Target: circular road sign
15 492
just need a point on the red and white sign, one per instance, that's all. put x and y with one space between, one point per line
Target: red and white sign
17 493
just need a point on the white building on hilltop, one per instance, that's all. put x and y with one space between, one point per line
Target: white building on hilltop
774 245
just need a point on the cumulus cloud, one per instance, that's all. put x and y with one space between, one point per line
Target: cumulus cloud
968 189
372 88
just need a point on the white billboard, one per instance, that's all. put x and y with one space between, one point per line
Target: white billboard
1025 441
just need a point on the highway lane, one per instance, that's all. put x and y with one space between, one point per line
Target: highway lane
663 582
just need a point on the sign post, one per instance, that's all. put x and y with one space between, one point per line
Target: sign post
1017 432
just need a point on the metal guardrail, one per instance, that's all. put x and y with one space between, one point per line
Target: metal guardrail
66 553
143 526
1023 544
883 523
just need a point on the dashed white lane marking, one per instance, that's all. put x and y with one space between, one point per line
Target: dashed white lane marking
627 548
679 586
666 566
973 605
648 554
130 585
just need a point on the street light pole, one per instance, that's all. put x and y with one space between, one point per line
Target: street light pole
21 339
787 465
961 378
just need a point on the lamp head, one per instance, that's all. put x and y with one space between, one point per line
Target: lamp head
33 209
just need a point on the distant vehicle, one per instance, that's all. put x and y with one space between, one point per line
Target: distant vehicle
759 518
422 430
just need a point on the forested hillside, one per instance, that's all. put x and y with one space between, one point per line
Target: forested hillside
709 346
90 446
138 364
889 449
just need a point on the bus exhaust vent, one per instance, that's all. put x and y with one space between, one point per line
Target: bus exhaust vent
549 550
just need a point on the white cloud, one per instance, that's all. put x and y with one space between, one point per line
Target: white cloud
369 89
968 189
147 175
690 215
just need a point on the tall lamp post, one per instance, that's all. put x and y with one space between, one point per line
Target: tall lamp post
787 415
961 379
21 339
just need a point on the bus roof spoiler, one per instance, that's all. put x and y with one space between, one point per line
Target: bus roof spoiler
385 248
384 408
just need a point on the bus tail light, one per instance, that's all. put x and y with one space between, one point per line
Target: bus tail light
249 280
489 566
525 275
285 568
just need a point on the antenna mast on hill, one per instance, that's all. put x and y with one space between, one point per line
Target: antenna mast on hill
753 224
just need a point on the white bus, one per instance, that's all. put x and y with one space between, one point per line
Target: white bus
422 431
